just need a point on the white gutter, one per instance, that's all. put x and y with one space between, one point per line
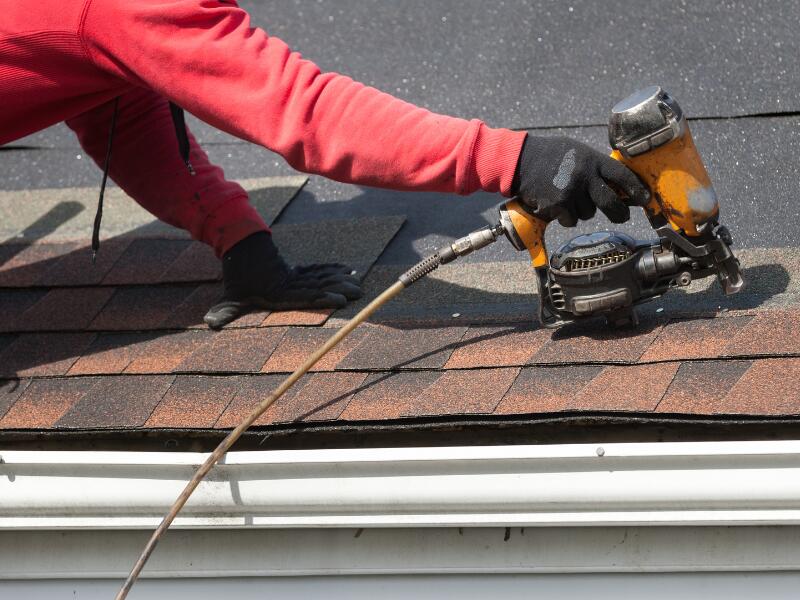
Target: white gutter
727 483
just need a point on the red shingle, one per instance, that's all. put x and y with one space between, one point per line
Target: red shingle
24 265
13 303
636 388
385 348
388 395
194 402
323 397
110 353
462 392
770 332
699 386
497 347
190 312
139 308
164 353
298 317
39 354
76 268
145 261
234 350
117 402
65 309
45 401
253 391
254 318
10 391
197 262
696 338
769 387
546 389
300 342
596 342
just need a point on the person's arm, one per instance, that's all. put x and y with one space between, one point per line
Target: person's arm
146 164
205 56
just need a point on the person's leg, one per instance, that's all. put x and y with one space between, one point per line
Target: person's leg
145 162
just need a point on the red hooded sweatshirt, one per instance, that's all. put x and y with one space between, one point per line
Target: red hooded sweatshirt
66 60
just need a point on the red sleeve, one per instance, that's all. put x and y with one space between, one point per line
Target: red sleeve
146 164
205 56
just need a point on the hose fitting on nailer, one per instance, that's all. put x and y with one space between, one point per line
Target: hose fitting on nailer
461 247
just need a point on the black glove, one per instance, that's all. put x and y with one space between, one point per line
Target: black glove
255 276
563 179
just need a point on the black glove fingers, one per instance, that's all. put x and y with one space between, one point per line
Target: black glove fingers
621 177
338 284
608 202
307 298
226 311
585 208
346 289
567 218
318 269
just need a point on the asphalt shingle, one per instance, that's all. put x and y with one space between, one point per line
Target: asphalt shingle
699 386
462 392
770 332
234 350
10 391
69 309
145 261
546 389
77 269
197 262
387 395
139 308
322 397
768 387
637 388
165 352
252 391
498 346
596 342
110 353
194 402
695 338
42 354
14 303
24 265
116 402
390 348
300 342
45 401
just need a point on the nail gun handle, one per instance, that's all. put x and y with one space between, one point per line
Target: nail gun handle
525 231
681 190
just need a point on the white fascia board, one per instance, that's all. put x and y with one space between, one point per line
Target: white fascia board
340 551
725 483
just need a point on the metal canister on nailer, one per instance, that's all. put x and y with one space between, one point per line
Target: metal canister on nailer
649 133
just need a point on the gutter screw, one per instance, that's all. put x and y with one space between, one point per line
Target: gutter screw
600 451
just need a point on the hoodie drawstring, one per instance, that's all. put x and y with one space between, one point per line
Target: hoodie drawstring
99 214
179 122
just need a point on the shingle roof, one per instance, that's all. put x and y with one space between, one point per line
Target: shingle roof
122 345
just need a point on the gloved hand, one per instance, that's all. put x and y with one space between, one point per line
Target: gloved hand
255 276
563 179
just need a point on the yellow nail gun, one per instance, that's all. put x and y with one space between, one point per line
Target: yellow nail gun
608 273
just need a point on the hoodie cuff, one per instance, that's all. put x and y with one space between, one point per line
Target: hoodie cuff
494 158
233 221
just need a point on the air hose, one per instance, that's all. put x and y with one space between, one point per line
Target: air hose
461 247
